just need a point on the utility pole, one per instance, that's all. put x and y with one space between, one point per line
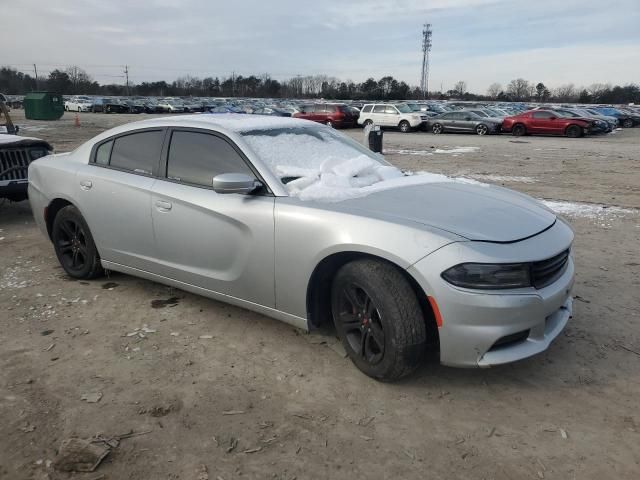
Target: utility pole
126 75
426 48
35 70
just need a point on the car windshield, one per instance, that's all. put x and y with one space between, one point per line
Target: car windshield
402 108
300 151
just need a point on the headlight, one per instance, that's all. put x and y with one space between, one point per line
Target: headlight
489 276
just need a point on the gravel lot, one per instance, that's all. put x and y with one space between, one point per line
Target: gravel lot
248 397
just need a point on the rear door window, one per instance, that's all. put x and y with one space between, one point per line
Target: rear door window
195 158
103 153
390 109
137 152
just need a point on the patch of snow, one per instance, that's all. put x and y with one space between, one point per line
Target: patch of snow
455 150
502 178
588 210
6 139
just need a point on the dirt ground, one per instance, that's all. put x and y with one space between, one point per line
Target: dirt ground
217 388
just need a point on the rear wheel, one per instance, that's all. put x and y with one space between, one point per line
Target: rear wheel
378 319
574 131
329 123
482 129
518 130
74 246
404 126
627 123
437 128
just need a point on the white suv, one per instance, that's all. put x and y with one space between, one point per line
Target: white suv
392 115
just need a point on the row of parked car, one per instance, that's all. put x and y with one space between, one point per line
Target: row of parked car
435 116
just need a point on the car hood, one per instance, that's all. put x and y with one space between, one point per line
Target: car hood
474 211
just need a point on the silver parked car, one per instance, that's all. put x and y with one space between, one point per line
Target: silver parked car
464 121
211 204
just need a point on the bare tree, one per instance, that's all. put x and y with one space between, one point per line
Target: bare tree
460 88
597 90
519 89
78 78
566 93
494 90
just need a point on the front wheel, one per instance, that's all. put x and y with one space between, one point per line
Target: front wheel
574 131
74 245
378 319
437 128
518 130
329 123
627 123
404 126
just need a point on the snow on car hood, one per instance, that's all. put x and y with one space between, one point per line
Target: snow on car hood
477 212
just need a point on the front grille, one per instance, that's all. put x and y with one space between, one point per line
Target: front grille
545 272
14 163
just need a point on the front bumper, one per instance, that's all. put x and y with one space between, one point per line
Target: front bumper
485 328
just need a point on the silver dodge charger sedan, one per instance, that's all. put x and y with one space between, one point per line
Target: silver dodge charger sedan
294 220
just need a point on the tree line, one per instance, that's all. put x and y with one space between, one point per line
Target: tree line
76 81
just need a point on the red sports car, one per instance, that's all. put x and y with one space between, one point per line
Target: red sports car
546 122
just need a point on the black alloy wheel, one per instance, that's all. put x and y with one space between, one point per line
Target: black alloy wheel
74 245
361 323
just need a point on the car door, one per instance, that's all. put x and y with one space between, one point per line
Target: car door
220 242
378 115
392 116
467 122
114 196
544 122
450 121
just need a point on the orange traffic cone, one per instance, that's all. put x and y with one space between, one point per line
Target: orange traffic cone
77 121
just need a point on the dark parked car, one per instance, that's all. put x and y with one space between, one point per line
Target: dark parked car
271 111
16 153
336 115
109 105
626 119
135 106
462 121
546 122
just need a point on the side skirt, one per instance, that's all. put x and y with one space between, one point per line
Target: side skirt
293 320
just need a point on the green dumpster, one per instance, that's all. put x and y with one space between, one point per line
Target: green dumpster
43 106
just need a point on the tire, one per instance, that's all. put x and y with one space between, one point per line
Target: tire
74 245
518 130
367 123
627 123
573 131
78 109
437 129
482 129
329 123
404 126
378 319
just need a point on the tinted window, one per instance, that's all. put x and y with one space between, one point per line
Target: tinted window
103 152
378 109
367 108
390 109
198 157
542 115
138 152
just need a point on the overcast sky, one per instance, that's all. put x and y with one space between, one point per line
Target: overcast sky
479 41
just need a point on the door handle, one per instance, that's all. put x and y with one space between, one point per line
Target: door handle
86 184
163 206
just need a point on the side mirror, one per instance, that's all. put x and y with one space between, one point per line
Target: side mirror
552 118
235 183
